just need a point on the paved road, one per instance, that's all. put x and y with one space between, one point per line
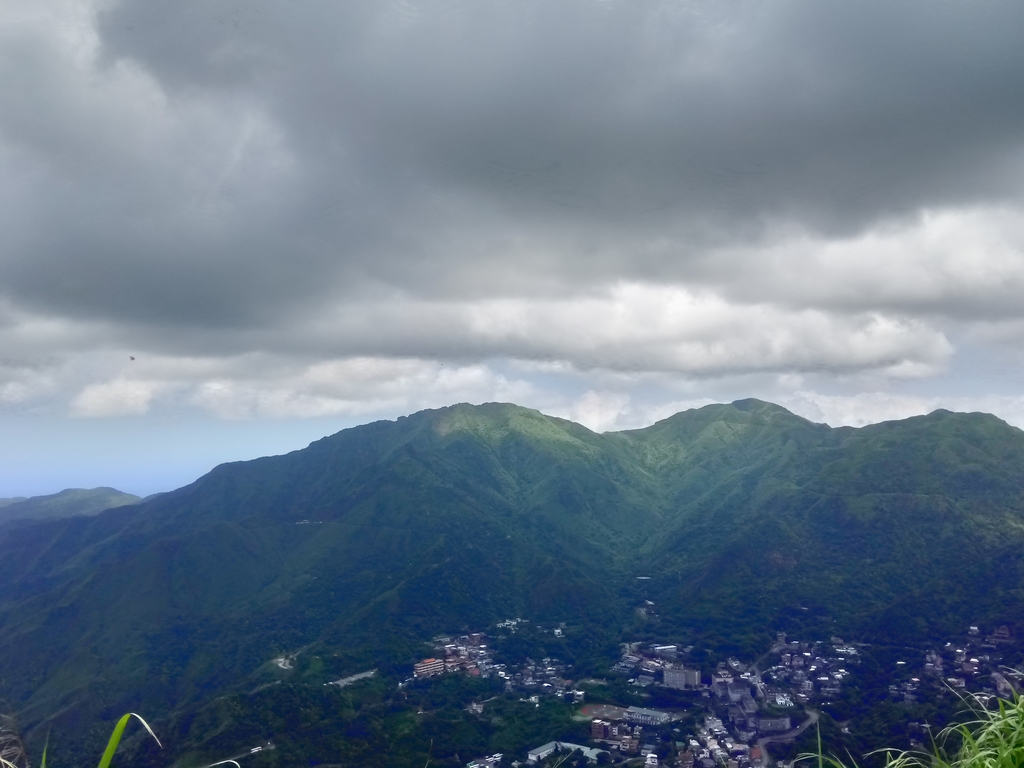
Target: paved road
764 741
755 668
352 678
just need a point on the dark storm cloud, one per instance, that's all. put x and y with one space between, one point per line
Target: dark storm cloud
405 120
215 177
833 113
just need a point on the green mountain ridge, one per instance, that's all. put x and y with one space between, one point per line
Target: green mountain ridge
70 502
746 518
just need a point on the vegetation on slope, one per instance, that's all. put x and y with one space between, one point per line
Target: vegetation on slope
746 518
994 739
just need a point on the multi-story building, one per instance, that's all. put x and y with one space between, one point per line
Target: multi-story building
647 716
428 668
686 679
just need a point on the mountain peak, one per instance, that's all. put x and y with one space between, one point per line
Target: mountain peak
494 422
753 405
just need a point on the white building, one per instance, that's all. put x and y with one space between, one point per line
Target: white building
538 754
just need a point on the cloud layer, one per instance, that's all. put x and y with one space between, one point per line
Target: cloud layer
600 207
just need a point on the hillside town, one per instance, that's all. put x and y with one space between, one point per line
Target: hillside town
470 654
735 711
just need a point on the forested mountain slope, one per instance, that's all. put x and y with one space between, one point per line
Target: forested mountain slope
745 517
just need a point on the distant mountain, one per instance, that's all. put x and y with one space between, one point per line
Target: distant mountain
68 503
351 552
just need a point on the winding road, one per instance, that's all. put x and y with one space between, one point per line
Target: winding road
764 741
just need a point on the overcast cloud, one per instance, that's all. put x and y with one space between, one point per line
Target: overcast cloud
607 209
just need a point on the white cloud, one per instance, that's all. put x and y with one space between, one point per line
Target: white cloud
118 397
14 392
357 386
872 407
661 411
644 327
20 384
600 411
612 411
965 263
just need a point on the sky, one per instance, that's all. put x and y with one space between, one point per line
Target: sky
230 227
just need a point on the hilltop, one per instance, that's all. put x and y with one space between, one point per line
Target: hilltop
70 502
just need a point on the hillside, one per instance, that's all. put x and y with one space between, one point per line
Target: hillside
351 552
68 503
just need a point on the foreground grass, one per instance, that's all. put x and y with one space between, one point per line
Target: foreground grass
12 751
13 755
993 739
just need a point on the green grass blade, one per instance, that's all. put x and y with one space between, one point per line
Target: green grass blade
115 738
46 746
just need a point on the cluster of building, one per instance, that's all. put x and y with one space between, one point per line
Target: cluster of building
737 696
745 706
746 703
470 654
545 678
971 664
647 665
742 704
635 730
622 729
466 653
807 670
804 671
712 745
